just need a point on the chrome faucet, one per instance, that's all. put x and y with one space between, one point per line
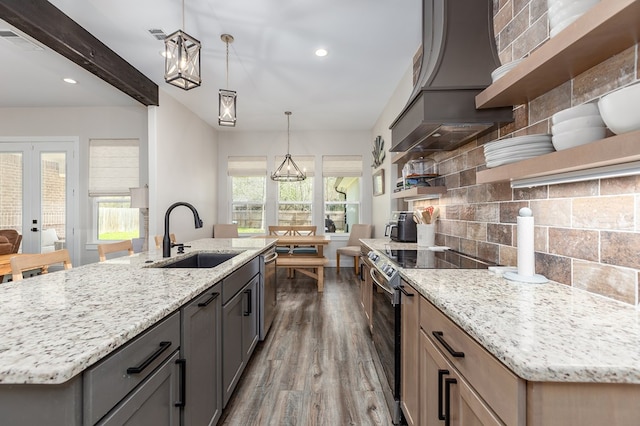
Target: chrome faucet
166 242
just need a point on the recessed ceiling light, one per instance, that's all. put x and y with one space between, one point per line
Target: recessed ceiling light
69 80
321 52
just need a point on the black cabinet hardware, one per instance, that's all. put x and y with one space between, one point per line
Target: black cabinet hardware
405 292
248 311
447 400
183 382
439 335
137 370
213 297
441 374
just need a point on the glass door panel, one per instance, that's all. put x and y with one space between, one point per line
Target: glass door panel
53 200
11 190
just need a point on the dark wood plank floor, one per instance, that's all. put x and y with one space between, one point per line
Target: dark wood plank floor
316 365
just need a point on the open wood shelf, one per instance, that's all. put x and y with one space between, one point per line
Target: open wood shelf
617 149
418 191
606 29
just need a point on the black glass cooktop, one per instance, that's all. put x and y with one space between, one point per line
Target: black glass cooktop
430 259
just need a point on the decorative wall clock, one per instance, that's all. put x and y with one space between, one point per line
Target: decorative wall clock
378 152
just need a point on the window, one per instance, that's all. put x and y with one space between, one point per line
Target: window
295 198
113 169
248 194
342 175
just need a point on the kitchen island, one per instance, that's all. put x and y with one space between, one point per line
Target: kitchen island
55 326
560 343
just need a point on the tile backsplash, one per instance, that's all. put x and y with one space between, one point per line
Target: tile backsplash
587 234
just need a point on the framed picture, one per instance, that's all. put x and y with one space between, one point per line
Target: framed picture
378 182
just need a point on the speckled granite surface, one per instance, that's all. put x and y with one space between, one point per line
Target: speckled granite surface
542 332
54 326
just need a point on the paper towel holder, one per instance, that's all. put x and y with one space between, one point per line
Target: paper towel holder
526 252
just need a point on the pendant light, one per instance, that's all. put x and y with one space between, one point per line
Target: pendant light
182 59
226 97
288 170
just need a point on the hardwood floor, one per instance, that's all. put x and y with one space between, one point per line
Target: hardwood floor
315 366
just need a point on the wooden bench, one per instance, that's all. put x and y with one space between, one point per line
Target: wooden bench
310 266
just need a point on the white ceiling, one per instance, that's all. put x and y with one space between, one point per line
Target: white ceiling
272 65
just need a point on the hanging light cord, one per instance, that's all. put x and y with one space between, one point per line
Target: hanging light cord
183 28
227 64
288 116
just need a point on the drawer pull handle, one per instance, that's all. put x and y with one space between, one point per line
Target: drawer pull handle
248 311
405 292
439 335
441 374
447 400
137 370
213 297
183 382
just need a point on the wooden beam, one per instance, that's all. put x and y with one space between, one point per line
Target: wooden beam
51 27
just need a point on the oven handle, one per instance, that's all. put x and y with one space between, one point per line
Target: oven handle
373 277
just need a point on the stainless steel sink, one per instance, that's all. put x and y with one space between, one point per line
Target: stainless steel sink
200 260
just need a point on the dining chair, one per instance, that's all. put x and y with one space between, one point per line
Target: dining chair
158 239
104 249
352 248
225 230
294 230
14 238
28 262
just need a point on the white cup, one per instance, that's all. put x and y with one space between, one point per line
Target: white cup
426 234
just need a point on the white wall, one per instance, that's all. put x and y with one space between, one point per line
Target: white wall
85 123
182 167
382 205
272 144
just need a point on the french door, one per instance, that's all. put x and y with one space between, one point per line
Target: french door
38 180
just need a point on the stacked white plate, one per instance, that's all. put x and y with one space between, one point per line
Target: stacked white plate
564 12
502 70
506 151
577 126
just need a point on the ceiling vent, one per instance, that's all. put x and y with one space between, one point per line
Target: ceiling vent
19 41
158 34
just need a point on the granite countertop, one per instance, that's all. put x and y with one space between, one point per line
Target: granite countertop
54 326
541 332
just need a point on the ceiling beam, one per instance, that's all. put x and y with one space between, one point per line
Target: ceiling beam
51 27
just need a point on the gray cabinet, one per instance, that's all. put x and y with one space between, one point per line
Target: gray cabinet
201 353
239 324
138 383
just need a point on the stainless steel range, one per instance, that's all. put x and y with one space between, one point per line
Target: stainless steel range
384 268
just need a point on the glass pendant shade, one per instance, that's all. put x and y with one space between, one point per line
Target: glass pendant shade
227 108
288 170
182 60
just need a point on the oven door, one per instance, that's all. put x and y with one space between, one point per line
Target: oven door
386 340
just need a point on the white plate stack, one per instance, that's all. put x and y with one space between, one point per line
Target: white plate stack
564 12
577 126
501 152
502 70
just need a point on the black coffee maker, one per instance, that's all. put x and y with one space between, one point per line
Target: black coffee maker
402 228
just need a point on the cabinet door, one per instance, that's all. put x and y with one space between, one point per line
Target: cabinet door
152 403
232 360
410 352
250 331
446 397
201 329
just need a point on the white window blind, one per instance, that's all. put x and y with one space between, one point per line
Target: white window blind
306 163
114 166
341 165
247 166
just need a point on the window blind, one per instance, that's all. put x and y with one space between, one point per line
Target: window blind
114 166
306 163
342 165
246 166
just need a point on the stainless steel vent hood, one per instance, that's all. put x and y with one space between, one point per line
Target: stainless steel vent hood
458 56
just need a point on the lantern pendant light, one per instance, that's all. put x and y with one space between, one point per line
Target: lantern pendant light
226 97
288 170
182 59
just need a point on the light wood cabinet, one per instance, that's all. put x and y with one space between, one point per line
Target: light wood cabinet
410 351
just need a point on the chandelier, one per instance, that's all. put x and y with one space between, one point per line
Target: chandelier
288 170
182 59
226 97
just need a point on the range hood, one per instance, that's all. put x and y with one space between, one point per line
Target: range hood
458 56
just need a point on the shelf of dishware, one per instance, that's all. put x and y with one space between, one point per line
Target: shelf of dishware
617 149
606 29
420 191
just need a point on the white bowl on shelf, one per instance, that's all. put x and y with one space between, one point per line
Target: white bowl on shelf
619 109
560 12
577 123
578 137
581 110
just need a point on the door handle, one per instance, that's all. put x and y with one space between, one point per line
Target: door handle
34 229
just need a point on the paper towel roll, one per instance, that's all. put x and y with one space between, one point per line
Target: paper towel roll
526 251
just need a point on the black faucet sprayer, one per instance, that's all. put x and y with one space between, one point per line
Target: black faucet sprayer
166 242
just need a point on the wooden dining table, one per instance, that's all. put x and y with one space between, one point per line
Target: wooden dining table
301 240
